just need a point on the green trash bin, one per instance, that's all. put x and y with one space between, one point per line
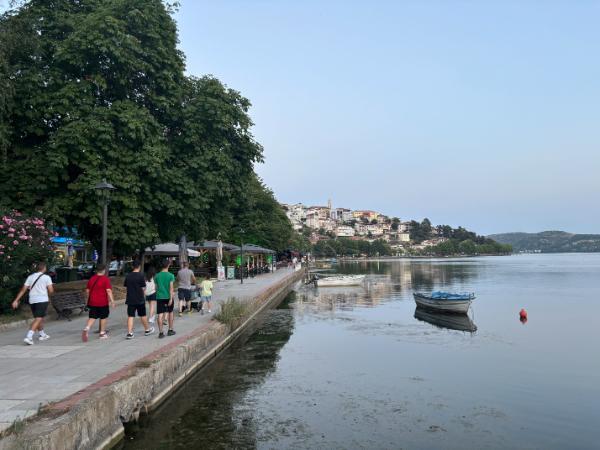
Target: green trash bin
66 274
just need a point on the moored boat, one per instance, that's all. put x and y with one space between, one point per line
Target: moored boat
444 301
340 280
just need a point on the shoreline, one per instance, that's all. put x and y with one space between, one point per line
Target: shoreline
93 417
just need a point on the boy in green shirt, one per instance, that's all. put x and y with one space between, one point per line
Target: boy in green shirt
165 298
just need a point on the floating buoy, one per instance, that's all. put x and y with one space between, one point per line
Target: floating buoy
523 316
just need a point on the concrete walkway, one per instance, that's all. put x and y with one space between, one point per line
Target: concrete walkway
32 376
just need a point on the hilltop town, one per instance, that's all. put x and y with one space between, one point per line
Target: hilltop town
342 231
326 222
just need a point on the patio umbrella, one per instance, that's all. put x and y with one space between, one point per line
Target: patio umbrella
219 253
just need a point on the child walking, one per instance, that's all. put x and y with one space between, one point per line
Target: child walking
99 292
135 283
165 298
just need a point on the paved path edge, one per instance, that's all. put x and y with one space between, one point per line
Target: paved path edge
93 417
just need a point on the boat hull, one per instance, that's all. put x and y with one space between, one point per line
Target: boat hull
447 306
340 281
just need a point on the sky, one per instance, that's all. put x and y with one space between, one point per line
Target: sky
484 114
480 114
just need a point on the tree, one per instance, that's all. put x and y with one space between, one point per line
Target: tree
95 85
262 218
96 90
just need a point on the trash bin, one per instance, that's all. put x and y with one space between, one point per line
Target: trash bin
65 274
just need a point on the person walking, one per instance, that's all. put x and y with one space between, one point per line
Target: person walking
207 287
185 279
151 292
99 293
164 298
135 283
40 287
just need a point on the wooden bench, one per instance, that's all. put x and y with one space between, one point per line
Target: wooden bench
65 302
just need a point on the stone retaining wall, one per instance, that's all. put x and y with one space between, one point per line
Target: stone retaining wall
93 418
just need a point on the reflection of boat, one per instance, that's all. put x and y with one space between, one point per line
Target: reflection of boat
460 322
446 302
340 280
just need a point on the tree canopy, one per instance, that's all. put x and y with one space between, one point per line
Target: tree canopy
95 89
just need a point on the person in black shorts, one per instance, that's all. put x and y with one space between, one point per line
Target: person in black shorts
135 282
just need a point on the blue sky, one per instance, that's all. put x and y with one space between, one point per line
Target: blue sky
481 114
476 113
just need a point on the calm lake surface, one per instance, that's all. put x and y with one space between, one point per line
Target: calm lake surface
353 368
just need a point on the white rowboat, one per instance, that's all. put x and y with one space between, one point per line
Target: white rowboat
459 306
340 280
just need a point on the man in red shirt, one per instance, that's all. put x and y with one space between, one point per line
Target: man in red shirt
99 292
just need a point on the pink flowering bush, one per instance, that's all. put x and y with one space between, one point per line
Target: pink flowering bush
24 240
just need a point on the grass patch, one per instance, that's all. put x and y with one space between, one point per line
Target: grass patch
232 313
144 363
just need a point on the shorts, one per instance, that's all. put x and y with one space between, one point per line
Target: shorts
140 309
184 294
98 312
162 306
151 297
207 298
39 309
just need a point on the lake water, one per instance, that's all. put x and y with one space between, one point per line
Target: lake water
353 368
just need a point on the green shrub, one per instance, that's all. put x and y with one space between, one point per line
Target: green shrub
24 240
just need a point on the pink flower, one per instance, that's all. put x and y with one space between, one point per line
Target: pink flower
15 242
11 235
11 230
23 238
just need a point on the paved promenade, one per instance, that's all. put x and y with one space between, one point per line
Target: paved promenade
49 371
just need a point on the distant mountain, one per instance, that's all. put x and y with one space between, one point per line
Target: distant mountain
550 241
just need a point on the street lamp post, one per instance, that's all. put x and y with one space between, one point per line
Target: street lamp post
104 189
241 256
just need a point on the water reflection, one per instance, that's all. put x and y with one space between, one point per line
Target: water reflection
211 410
416 274
459 322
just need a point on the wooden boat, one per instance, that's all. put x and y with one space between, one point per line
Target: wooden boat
444 302
459 322
340 280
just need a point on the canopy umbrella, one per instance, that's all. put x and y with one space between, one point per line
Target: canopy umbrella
168 249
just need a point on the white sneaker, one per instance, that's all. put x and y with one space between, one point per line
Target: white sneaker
44 337
28 341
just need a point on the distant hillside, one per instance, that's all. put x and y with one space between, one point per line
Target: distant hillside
550 241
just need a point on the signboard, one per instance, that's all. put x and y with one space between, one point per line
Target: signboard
221 273
269 259
230 272
238 260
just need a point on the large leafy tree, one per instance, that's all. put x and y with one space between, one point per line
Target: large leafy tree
95 89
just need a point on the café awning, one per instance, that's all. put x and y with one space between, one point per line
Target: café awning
168 249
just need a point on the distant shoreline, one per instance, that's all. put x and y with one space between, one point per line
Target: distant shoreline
388 258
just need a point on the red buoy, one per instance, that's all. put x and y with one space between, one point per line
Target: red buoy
523 315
